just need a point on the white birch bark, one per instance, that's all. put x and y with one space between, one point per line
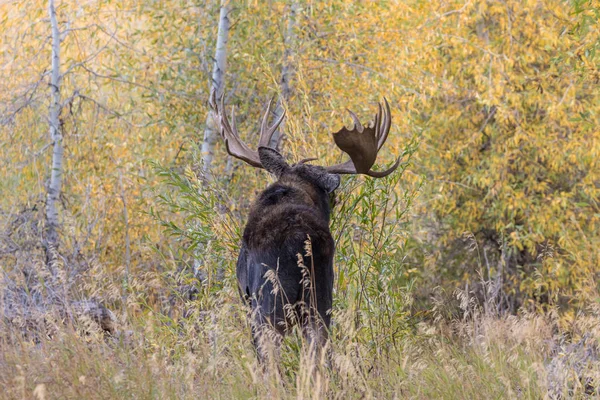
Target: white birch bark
54 186
287 69
217 85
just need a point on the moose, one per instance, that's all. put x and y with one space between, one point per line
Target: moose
285 265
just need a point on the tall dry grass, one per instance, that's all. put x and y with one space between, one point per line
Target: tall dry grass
208 354
180 330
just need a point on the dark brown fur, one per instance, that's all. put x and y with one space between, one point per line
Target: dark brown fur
286 215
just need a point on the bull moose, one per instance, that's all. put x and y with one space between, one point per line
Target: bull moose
285 266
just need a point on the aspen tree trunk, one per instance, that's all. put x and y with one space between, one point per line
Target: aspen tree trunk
54 187
287 69
217 85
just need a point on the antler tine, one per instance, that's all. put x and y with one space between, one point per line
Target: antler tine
225 121
274 127
357 125
266 132
381 174
233 125
385 124
264 141
377 122
227 131
233 143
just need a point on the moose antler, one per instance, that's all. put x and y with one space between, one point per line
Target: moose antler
363 143
229 133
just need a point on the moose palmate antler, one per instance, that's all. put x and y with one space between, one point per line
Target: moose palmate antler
361 143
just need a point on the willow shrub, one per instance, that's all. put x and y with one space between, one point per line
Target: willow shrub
204 224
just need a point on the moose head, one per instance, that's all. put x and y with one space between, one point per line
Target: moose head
285 266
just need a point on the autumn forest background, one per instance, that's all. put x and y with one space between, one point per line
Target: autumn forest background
471 272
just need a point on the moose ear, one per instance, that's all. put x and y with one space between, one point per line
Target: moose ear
329 182
272 161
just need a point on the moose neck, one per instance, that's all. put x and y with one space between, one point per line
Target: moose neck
288 191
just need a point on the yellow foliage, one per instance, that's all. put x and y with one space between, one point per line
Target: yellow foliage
504 96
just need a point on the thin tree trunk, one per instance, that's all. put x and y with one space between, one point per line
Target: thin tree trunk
217 85
54 187
287 70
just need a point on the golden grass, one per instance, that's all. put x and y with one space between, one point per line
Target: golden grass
208 354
